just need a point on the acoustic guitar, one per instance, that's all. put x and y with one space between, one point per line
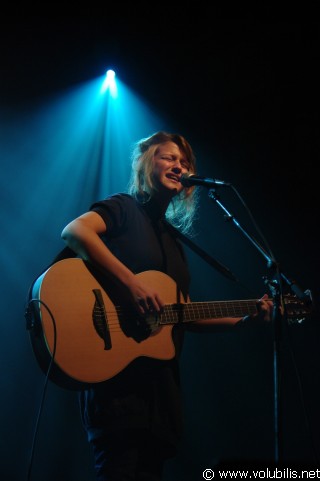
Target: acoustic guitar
85 334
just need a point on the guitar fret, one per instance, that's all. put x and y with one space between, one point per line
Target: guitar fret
173 314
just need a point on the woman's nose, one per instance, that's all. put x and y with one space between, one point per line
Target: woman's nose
177 166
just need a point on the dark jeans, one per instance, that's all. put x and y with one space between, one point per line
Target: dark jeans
131 458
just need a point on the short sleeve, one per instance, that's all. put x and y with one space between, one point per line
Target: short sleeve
114 210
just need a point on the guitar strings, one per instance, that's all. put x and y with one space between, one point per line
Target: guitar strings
111 319
172 314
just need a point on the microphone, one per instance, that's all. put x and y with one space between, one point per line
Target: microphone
188 180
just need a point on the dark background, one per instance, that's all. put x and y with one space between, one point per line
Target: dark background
245 94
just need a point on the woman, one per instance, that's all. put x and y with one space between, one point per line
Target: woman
133 421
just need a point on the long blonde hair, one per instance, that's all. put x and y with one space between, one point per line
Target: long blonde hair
182 208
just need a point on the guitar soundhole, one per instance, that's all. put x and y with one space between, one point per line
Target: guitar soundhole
152 321
135 326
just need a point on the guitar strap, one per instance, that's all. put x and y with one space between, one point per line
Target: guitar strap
66 252
204 255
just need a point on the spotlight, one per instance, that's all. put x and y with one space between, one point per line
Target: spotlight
109 83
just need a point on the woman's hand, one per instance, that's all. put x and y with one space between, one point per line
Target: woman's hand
145 299
262 316
264 309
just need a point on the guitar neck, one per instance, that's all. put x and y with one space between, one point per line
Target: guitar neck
195 311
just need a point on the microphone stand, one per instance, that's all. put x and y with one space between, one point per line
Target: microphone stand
277 317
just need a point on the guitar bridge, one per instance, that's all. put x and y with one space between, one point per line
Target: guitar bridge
100 320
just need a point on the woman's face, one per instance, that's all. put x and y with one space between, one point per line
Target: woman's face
169 163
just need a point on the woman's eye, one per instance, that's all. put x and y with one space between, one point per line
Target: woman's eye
184 165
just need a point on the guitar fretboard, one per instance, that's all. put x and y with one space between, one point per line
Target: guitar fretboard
194 311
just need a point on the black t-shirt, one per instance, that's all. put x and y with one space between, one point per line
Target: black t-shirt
146 394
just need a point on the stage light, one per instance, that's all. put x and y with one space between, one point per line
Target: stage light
109 83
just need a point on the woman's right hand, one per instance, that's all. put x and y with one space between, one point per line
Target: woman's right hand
144 298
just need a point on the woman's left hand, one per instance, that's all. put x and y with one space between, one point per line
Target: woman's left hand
264 309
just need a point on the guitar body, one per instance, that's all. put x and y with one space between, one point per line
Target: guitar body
73 340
